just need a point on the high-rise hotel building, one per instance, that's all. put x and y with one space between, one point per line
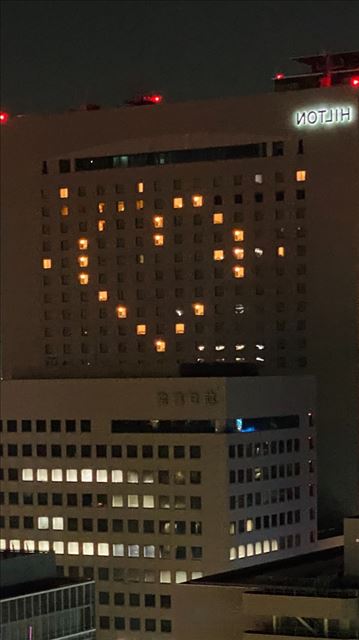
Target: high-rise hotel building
144 484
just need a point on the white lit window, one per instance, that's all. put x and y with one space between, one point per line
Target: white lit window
102 296
133 550
56 475
240 347
117 501
121 312
217 218
116 475
241 551
258 359
133 501
43 522
258 548
220 347
179 312
233 553
181 576
196 574
266 546
132 477
42 475
258 178
165 577
301 175
274 545
58 523
103 549
258 252
63 192
101 475
58 547
250 550
71 475
73 548
177 203
148 502
88 549
118 550
149 551
27 475
46 263
43 545
249 524
29 545
197 201
86 475
148 477
2 544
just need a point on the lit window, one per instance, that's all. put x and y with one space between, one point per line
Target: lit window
258 178
266 546
258 548
177 203
148 502
281 252
258 252
158 240
160 346
220 347
139 204
83 261
87 548
120 206
58 547
149 551
101 475
63 192
217 218
165 577
233 553
201 347
198 309
42 475
196 574
102 296
141 329
64 211
274 545
73 548
241 551
133 501
47 263
27 475
179 312
116 475
218 254
197 201
148 477
44 545
301 176
117 501
239 347
86 475
121 312
158 222
103 549
133 550
101 207
58 523
181 576
238 272
56 475
249 524
238 253
132 477
238 235
29 545
118 550
83 243
101 225
71 475
179 327
2 544
43 522
140 187
83 278
250 550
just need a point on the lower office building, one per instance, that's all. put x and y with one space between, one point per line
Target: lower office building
144 484
35 604
311 596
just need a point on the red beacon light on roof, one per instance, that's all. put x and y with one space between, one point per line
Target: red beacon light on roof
279 76
354 81
151 98
3 117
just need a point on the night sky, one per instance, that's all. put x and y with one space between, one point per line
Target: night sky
61 54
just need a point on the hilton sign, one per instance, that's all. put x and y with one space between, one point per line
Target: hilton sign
325 116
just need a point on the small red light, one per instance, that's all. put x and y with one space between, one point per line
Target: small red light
279 76
354 81
3 117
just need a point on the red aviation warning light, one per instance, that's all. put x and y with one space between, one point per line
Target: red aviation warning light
279 76
354 81
3 117
150 98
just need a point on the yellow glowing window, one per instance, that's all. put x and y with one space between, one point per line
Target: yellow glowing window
47 263
217 218
141 329
64 211
63 192
197 201
238 272
301 176
139 204
180 327
102 296
238 235
140 187
238 253
83 278
120 206
177 203
218 254
160 346
158 240
83 261
101 225
198 309
281 252
83 243
158 222
101 207
121 312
